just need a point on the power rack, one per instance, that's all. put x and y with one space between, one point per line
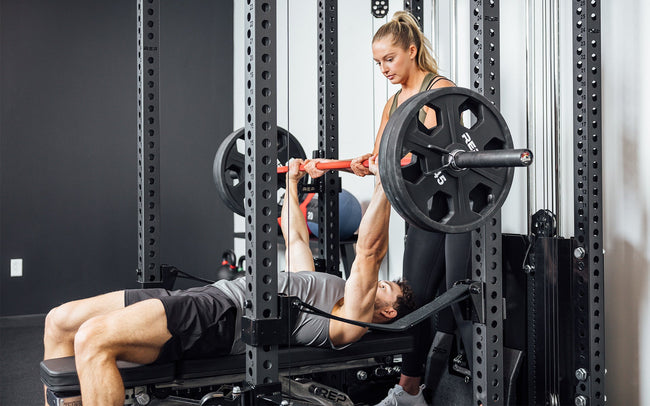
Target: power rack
586 248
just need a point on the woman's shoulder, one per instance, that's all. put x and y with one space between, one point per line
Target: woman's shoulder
438 81
391 103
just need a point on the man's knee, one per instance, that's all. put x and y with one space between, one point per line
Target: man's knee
57 324
91 339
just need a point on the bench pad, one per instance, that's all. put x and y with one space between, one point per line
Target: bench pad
60 374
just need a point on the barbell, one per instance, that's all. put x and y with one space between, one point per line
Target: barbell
449 178
457 160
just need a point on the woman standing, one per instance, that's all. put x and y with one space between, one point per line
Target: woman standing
403 55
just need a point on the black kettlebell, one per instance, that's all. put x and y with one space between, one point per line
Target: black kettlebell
228 268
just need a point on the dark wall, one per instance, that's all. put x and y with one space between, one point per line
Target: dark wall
68 198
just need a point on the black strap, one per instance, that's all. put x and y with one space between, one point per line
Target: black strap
437 79
453 295
433 81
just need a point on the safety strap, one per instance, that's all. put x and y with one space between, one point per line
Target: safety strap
453 295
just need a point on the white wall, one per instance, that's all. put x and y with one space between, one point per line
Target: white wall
363 92
626 140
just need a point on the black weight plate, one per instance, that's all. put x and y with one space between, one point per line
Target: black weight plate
428 193
228 169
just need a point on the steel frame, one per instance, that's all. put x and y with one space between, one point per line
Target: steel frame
328 134
148 272
416 8
261 123
261 185
261 182
588 273
487 371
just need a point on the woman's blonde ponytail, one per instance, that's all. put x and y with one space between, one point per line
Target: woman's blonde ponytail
405 31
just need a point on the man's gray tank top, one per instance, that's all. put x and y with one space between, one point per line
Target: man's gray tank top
318 289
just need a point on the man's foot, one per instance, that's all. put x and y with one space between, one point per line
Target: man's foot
398 397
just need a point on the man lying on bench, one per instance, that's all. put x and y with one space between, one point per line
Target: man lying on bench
147 325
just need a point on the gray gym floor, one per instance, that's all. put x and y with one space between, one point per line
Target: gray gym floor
21 350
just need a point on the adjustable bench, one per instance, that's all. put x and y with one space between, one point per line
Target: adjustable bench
141 381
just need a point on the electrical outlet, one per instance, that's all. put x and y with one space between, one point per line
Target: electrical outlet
16 267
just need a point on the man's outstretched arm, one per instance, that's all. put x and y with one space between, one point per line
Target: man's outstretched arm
361 286
372 242
294 227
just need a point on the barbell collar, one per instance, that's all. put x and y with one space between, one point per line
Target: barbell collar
503 158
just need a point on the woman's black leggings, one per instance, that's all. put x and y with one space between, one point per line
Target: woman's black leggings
431 259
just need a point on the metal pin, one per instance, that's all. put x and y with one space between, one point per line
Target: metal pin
579 253
142 398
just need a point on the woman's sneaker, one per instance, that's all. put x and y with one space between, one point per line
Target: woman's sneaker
398 397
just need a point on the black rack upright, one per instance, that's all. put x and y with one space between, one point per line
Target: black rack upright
588 273
488 377
148 272
416 8
260 196
328 133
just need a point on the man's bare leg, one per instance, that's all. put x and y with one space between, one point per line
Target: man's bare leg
62 322
135 333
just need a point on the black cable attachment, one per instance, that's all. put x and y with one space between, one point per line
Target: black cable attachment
169 273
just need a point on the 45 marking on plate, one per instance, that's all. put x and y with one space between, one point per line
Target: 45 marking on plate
440 177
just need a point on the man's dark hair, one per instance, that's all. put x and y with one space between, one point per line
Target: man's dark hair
405 302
